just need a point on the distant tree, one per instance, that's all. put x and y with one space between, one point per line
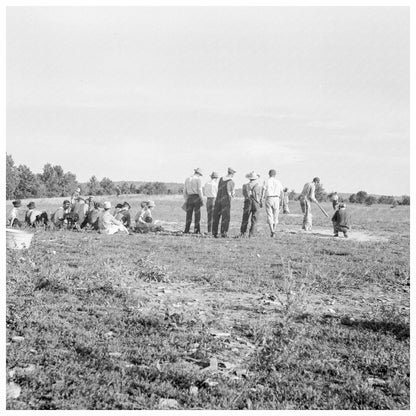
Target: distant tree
320 193
107 186
146 188
352 198
159 188
405 200
56 182
69 183
28 183
361 197
12 177
125 189
93 186
51 178
370 200
384 199
133 189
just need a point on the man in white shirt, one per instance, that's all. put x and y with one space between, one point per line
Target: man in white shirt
14 218
210 191
194 200
306 197
273 195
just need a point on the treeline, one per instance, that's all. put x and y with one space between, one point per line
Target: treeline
363 197
22 183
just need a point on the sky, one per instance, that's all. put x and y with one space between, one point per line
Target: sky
151 93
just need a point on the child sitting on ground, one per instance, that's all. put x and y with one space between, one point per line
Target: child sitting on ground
340 220
144 219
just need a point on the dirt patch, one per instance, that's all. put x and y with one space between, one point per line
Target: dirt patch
353 235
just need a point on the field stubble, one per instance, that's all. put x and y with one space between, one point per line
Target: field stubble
162 322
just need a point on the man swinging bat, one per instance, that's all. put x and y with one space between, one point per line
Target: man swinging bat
307 196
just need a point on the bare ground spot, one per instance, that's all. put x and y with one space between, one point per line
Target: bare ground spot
353 235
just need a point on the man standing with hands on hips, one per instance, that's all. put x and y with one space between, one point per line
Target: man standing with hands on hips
210 191
273 194
194 200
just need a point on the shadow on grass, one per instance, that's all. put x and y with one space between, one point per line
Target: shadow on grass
400 330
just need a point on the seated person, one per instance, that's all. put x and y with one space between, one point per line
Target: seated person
123 214
59 217
107 224
34 217
14 218
76 215
91 219
144 219
340 220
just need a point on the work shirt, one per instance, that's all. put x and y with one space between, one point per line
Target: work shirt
272 187
193 186
59 214
211 188
124 216
31 215
13 214
340 218
308 192
335 197
106 220
252 190
142 215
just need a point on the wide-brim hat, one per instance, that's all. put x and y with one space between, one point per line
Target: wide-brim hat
198 171
17 203
214 175
119 206
231 170
151 204
126 204
31 205
66 202
252 175
107 205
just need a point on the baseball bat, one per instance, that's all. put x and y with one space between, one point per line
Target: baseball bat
323 211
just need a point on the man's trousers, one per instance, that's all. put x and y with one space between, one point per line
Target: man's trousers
193 204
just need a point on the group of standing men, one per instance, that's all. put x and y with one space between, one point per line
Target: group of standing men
219 194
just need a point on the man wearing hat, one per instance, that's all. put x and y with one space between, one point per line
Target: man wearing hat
13 219
210 191
193 195
340 220
306 197
59 217
273 195
75 195
107 224
222 207
35 217
124 215
252 192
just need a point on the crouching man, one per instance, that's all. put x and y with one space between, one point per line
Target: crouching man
340 220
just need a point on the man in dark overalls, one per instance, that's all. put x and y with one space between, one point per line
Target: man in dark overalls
222 208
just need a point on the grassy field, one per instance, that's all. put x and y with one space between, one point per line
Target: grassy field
147 321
